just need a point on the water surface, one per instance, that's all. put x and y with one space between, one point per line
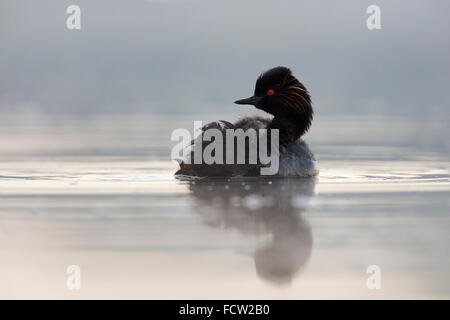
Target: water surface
98 192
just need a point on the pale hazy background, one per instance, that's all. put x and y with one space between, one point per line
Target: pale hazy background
187 57
86 177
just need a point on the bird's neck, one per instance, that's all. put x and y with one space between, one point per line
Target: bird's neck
291 128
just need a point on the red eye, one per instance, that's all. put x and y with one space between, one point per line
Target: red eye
270 92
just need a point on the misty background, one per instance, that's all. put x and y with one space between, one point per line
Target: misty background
193 57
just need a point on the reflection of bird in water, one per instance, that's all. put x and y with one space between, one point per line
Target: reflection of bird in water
262 207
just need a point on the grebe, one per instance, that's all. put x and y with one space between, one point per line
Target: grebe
280 94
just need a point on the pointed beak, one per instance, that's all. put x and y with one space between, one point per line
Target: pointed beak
252 100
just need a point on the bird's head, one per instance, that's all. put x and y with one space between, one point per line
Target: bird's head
279 93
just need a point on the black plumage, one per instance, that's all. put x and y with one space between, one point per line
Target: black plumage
280 94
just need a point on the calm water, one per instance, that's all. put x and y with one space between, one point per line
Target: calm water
99 193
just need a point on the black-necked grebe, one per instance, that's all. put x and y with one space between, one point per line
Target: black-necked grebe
280 94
